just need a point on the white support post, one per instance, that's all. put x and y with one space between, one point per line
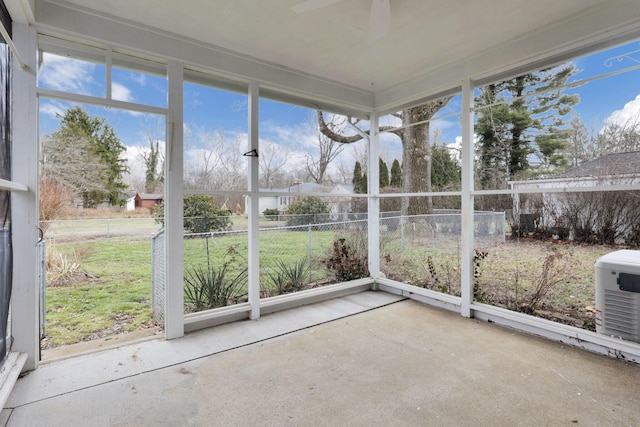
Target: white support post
174 200
253 203
466 244
25 302
373 202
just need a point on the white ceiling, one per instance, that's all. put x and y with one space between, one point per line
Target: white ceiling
451 37
335 42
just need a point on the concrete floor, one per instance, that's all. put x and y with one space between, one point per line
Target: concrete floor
367 359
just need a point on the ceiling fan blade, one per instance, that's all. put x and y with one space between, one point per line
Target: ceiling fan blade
380 18
309 5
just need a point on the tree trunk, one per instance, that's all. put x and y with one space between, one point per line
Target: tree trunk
416 156
416 164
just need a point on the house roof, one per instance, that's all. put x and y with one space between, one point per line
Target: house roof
311 187
610 164
327 54
308 187
343 188
151 196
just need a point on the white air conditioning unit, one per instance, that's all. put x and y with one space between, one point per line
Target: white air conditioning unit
618 295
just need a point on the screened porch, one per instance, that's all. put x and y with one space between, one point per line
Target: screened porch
471 99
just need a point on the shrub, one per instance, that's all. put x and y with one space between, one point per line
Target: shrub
346 262
478 256
60 268
307 210
608 217
55 200
271 214
201 215
287 278
555 269
209 287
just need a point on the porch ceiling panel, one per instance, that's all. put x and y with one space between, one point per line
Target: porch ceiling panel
431 45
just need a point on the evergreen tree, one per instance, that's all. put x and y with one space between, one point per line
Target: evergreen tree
522 117
364 184
357 179
445 171
396 174
384 174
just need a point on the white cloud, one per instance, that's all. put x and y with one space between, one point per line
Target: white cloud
443 124
120 92
139 78
629 113
455 149
66 74
52 108
133 155
293 137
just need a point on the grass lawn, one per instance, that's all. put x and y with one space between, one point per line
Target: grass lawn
547 279
109 289
275 245
109 292
513 273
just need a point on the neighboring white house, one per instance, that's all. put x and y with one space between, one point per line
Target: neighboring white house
547 209
281 202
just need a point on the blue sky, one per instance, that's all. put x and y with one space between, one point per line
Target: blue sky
210 112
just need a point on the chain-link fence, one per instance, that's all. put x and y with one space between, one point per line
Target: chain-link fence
42 284
305 245
311 245
424 250
406 244
158 282
99 228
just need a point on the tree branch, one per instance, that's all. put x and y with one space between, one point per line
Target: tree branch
328 132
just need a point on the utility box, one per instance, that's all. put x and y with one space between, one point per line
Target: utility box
618 294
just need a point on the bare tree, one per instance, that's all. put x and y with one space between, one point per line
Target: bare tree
233 172
153 162
271 162
71 163
615 137
619 137
579 140
327 152
361 155
218 164
345 173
